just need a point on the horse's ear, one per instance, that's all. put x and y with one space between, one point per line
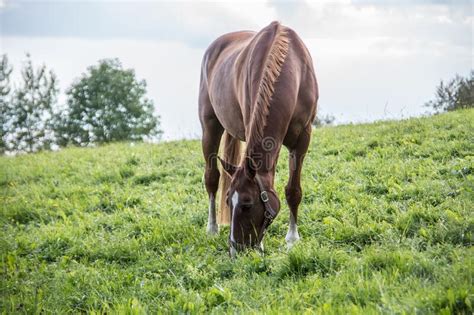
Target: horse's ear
228 167
250 167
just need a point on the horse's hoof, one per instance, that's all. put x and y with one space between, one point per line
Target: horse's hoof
232 252
212 229
291 239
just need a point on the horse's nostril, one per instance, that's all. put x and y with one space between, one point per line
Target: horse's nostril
246 207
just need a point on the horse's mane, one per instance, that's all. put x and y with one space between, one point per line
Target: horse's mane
271 71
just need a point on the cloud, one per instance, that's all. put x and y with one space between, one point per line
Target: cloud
195 23
198 23
412 2
362 19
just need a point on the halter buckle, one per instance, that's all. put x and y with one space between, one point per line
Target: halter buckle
264 196
269 216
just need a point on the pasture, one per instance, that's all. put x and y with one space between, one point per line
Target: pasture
386 223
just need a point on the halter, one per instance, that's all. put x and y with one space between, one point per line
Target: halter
268 215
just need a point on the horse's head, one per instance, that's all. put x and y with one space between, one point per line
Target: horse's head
253 205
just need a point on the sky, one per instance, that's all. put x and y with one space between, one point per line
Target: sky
373 59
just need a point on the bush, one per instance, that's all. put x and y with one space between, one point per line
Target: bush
322 120
456 94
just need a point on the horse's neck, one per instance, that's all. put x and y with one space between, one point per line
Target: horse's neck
266 164
267 178
266 153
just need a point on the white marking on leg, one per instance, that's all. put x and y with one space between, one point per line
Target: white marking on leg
233 252
212 228
292 236
235 200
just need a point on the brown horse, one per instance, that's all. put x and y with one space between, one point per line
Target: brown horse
259 88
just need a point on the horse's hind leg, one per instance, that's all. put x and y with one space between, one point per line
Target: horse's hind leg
212 132
293 188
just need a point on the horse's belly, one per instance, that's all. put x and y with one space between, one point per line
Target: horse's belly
226 106
230 117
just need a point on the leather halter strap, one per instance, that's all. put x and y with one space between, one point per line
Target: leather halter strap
269 214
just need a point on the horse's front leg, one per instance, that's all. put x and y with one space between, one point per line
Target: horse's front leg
293 191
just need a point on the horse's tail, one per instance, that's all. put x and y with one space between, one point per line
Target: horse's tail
230 150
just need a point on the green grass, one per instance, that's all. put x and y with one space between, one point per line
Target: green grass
386 223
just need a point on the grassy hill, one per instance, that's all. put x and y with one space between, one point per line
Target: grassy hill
386 223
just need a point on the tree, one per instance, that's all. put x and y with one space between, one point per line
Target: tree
456 94
29 111
106 104
322 120
5 71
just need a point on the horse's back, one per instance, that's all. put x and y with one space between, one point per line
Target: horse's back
230 76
